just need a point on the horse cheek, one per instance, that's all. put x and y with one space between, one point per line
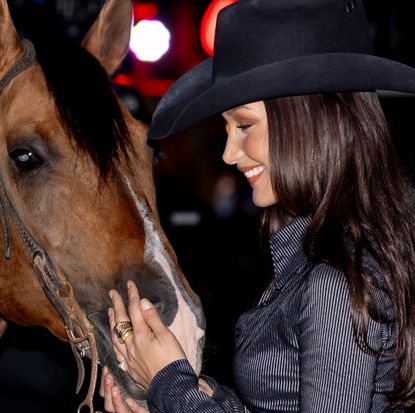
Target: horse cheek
23 301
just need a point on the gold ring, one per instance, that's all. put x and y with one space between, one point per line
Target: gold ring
122 330
125 334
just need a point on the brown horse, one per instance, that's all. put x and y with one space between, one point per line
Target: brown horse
78 206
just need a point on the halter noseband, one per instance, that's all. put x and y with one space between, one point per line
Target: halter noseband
52 281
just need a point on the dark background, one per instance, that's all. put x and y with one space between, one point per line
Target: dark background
205 207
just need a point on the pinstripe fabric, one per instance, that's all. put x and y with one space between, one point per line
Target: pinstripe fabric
295 351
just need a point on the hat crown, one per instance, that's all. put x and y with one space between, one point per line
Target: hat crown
252 33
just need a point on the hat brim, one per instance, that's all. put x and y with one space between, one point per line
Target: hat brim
194 97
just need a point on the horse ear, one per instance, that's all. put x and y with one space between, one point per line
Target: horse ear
108 39
10 46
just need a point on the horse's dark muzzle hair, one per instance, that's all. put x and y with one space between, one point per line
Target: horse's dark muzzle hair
153 286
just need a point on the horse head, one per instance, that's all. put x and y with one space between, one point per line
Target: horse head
77 197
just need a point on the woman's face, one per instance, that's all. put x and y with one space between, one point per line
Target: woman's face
247 148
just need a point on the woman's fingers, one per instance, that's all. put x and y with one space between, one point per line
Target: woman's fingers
119 348
118 354
134 307
113 401
135 407
149 348
120 313
103 375
118 402
107 384
152 318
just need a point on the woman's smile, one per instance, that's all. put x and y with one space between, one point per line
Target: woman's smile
252 174
247 148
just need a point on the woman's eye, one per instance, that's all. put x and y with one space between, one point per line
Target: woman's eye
25 159
244 126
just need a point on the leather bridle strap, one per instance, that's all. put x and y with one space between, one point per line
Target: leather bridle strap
60 293
25 61
52 281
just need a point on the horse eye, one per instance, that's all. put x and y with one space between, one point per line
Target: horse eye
25 159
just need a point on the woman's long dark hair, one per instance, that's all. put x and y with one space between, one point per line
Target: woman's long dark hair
331 157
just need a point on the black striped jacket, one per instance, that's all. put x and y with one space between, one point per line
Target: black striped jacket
295 351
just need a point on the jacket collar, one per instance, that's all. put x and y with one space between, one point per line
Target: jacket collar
287 249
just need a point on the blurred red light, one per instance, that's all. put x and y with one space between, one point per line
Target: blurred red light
208 27
145 11
145 87
153 87
123 80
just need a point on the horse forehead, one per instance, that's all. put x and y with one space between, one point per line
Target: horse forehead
27 98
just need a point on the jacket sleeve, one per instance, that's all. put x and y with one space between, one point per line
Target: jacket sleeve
175 389
335 373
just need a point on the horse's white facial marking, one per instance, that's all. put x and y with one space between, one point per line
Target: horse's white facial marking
184 326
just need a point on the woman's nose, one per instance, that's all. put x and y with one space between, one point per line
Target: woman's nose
233 152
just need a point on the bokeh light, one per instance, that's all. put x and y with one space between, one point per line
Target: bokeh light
150 40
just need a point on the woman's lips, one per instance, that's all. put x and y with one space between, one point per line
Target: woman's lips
252 174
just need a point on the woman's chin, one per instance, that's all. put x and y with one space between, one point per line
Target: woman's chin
263 201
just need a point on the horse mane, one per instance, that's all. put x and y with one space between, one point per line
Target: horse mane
86 103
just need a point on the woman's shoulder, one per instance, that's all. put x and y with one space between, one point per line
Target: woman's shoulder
324 278
323 292
326 286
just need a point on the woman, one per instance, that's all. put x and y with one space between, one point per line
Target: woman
335 330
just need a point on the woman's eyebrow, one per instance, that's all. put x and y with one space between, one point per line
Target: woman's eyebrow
230 111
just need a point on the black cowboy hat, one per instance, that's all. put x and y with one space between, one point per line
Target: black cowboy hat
274 48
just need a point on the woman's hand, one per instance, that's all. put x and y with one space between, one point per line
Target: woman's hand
151 347
3 326
113 401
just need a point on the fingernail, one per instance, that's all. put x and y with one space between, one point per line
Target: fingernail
110 311
111 293
129 284
105 370
145 304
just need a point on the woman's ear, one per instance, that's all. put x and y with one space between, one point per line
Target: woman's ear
109 37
